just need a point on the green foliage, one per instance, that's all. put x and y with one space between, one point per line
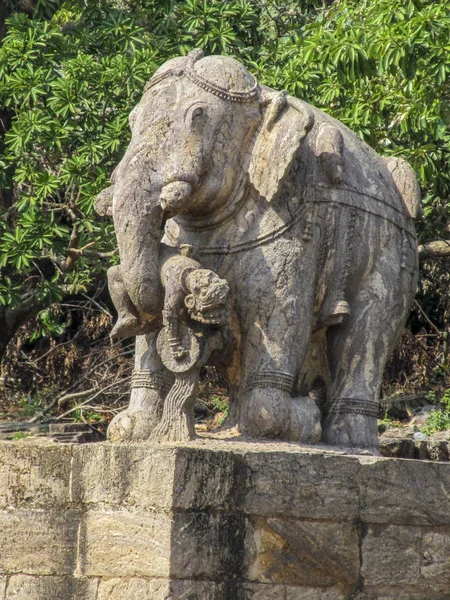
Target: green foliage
19 435
71 72
439 419
49 325
220 404
30 406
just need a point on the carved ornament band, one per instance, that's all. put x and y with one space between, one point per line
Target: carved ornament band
355 406
154 381
231 95
158 78
271 379
247 245
243 96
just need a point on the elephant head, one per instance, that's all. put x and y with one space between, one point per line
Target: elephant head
203 132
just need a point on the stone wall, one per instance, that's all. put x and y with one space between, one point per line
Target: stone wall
220 521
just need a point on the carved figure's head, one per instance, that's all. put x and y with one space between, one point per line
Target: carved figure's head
207 300
199 115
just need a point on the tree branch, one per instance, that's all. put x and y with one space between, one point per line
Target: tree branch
434 249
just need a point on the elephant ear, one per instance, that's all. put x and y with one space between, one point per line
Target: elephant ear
286 123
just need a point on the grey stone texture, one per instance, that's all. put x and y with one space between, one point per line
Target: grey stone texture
308 229
220 520
26 587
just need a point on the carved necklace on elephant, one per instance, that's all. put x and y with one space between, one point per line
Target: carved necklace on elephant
301 208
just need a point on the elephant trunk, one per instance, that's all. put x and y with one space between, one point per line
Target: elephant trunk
174 195
138 218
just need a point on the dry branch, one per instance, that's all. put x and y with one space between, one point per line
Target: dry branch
434 249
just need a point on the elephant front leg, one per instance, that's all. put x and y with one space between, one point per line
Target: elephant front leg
150 383
274 351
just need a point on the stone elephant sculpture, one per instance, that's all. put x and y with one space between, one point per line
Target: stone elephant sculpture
312 230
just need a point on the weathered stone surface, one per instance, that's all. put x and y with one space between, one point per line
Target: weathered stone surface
38 541
404 592
133 589
199 590
435 570
301 485
23 587
289 201
205 479
405 492
33 475
263 591
314 594
303 553
159 589
123 475
207 532
438 450
391 555
407 443
123 543
207 546
397 447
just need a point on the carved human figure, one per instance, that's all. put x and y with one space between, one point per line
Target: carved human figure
191 293
312 230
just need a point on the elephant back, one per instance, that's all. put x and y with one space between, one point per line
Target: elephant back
337 166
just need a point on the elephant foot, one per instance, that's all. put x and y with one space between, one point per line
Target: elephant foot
127 326
273 413
351 431
266 413
130 426
305 421
139 420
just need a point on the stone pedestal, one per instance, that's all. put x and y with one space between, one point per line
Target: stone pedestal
216 520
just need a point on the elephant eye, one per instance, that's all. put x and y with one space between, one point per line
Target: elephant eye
197 117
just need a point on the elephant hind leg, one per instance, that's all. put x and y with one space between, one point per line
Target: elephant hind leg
358 350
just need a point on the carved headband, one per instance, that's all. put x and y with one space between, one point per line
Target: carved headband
232 95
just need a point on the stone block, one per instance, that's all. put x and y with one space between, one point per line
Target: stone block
303 553
312 486
298 593
207 546
159 589
34 475
391 555
133 589
435 570
2 588
263 591
397 447
205 478
123 475
404 592
198 590
25 587
40 542
122 543
405 492
153 476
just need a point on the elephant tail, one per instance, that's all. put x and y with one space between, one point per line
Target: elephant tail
406 181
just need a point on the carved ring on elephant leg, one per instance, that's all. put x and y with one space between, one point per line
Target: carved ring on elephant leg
187 340
356 406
